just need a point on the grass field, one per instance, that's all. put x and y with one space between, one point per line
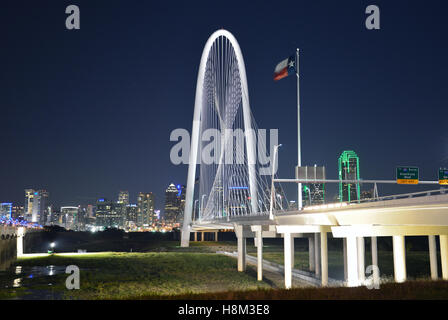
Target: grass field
171 272
133 275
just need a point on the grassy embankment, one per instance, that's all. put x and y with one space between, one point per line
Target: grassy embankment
195 273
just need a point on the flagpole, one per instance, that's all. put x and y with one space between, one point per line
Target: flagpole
299 155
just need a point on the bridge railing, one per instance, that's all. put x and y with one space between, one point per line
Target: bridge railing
403 196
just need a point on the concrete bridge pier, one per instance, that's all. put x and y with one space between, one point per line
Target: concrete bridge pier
317 254
433 257
361 259
288 245
324 258
258 241
311 253
20 238
352 261
375 271
399 253
443 238
8 248
239 231
344 255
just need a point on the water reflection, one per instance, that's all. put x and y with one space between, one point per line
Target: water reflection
33 272
17 283
18 269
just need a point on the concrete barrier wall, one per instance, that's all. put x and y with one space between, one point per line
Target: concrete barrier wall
8 246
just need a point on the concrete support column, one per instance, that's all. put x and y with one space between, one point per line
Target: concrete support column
361 259
399 258
311 252
317 254
259 241
352 262
19 246
374 249
2 255
241 248
287 257
344 254
216 236
202 235
443 238
195 236
292 252
433 257
324 258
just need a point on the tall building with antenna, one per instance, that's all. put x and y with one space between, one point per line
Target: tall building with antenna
348 165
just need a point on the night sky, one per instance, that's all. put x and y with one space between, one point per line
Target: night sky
86 113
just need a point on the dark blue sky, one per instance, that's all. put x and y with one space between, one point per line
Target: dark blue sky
89 112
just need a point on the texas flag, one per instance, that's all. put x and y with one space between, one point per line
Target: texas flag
285 68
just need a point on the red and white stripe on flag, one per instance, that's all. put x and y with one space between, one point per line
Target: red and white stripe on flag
284 68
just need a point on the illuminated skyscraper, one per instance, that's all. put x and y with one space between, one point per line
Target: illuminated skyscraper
29 197
39 208
145 209
108 214
70 217
348 165
123 197
6 209
174 203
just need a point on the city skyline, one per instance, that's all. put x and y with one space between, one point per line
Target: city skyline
63 136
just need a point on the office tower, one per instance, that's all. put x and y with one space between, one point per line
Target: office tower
90 211
131 216
6 210
39 207
17 212
29 197
70 216
123 197
181 195
108 214
348 165
312 193
173 203
145 209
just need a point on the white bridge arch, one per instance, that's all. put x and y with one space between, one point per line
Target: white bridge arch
222 54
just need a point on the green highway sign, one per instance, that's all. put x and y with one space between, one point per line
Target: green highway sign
443 176
407 175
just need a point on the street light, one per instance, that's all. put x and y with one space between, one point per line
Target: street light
274 163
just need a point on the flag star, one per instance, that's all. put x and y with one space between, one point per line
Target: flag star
291 64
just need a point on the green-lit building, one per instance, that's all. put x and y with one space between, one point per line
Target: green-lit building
348 165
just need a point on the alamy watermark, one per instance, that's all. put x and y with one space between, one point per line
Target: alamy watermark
72 281
226 147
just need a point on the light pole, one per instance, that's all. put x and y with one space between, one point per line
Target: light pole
194 210
299 151
202 206
274 163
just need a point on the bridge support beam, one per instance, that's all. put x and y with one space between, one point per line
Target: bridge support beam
317 254
287 258
259 244
239 231
324 258
374 249
361 259
344 255
399 258
352 262
443 238
433 257
311 252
